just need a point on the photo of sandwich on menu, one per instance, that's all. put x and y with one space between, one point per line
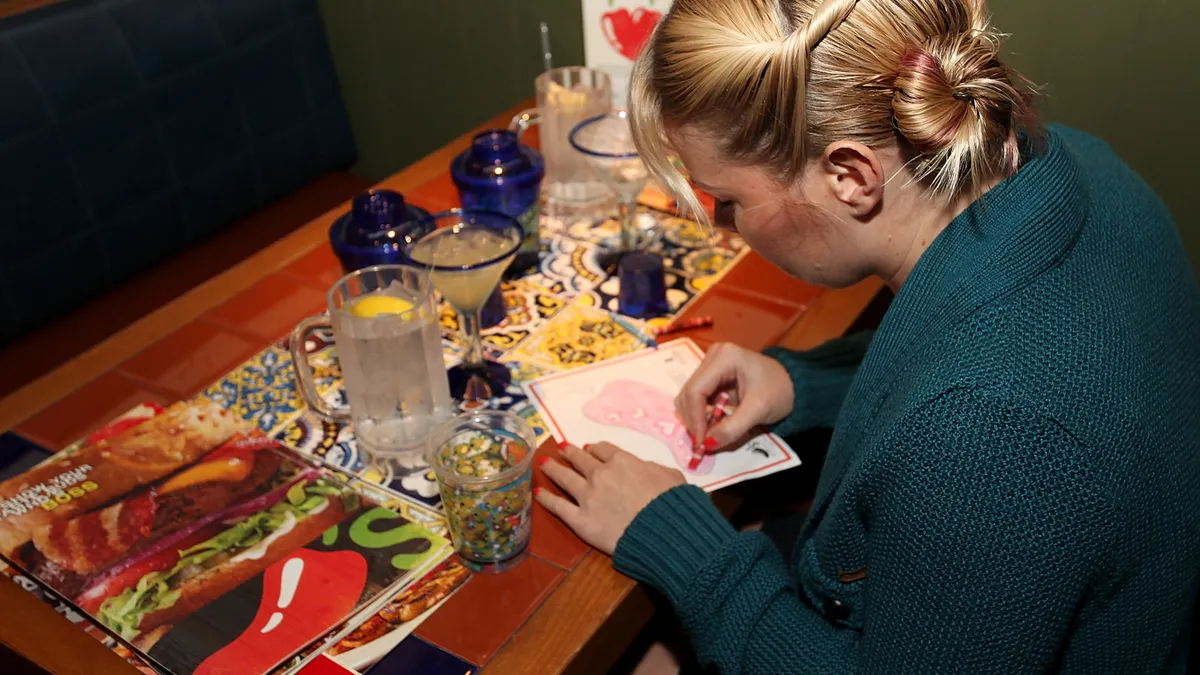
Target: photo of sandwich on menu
205 545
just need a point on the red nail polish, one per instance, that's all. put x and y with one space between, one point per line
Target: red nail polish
562 445
587 446
537 491
710 444
541 461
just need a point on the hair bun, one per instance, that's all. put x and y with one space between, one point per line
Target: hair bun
954 99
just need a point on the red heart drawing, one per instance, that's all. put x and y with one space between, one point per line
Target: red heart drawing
627 31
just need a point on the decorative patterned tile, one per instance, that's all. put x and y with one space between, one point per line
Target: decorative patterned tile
528 412
333 444
606 230
506 599
317 340
263 389
568 267
527 306
577 336
689 272
186 361
415 656
86 409
419 484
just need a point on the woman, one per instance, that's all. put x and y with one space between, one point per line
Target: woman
1013 484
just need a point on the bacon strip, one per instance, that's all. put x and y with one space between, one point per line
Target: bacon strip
94 540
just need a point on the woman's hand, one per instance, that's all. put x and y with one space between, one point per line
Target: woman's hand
758 385
609 486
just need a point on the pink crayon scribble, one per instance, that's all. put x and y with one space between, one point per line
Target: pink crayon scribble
645 409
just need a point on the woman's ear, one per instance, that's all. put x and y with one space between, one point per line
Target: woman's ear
854 175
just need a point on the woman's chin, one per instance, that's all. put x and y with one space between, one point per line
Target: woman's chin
819 275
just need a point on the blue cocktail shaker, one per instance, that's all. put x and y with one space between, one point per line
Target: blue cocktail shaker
500 173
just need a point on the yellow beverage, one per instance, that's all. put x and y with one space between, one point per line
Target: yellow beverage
371 306
465 246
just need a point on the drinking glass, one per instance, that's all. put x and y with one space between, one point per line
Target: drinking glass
384 322
643 286
566 96
467 252
606 144
483 461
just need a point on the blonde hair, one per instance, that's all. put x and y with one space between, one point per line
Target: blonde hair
776 81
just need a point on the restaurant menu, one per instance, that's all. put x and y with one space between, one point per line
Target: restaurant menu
206 547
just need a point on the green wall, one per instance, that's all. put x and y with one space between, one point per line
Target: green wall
1127 71
416 74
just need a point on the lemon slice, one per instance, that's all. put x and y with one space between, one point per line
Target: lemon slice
372 306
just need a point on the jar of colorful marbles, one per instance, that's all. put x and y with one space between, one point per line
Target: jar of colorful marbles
483 461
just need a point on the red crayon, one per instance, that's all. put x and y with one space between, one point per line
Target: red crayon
720 409
688 324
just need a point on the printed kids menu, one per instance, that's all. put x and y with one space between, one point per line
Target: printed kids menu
205 546
630 401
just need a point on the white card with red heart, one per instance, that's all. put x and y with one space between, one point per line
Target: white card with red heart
614 31
629 401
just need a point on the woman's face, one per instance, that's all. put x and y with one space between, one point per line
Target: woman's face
796 226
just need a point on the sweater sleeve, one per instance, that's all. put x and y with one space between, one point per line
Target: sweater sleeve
821 377
985 531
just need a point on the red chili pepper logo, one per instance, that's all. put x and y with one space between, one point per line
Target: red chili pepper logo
628 31
303 595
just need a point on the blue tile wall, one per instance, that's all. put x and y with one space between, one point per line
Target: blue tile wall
131 129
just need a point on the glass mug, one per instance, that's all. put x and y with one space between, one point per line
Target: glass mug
384 321
565 97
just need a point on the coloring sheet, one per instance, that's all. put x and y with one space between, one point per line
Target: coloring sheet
629 401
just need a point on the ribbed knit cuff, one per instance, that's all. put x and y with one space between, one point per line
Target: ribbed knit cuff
798 420
671 540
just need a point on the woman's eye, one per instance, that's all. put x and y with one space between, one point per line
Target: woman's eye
723 212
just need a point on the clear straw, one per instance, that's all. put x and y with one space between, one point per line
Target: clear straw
547 59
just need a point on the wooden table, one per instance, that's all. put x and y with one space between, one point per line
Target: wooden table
582 615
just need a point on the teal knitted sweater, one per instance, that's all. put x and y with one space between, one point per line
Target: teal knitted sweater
1013 484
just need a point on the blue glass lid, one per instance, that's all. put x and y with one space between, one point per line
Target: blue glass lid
376 226
497 160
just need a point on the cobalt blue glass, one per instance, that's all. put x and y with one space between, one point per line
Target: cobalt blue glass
375 231
643 292
368 235
499 173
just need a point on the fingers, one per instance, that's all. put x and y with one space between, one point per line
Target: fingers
718 371
604 451
735 429
565 477
559 506
583 461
